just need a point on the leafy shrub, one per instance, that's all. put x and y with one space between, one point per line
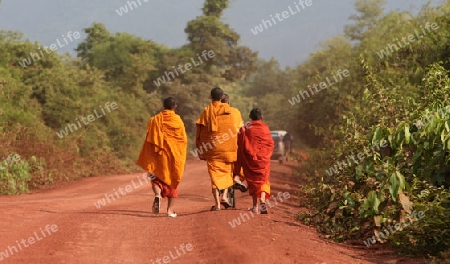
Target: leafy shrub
14 178
411 173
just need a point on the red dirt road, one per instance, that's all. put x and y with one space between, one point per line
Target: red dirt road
125 230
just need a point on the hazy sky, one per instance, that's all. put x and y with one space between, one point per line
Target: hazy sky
289 41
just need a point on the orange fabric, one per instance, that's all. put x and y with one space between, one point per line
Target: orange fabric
255 147
264 188
218 141
221 174
237 117
166 190
238 123
164 150
208 118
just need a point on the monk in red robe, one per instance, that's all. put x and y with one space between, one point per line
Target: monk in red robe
163 154
255 147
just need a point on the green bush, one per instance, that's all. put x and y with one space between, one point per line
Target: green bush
411 173
14 178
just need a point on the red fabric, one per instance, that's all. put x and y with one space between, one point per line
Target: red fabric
255 147
166 190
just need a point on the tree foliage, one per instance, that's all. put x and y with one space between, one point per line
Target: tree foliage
41 99
369 13
208 32
401 98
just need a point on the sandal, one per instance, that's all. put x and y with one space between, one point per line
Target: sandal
173 215
225 204
239 186
263 209
214 208
156 205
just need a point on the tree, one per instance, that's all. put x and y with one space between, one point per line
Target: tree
207 33
126 59
214 7
369 11
267 79
96 34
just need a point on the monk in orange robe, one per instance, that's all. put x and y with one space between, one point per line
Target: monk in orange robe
255 147
163 154
216 141
238 120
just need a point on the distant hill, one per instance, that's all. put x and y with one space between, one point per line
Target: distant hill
289 41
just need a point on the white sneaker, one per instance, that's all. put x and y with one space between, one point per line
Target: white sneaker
173 215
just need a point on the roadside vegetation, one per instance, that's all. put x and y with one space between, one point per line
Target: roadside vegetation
401 99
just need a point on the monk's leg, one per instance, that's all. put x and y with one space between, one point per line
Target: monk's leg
170 205
262 203
216 196
225 195
238 183
157 202
157 191
255 200
262 199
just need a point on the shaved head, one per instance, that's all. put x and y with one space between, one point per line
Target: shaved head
225 99
169 103
256 114
216 94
